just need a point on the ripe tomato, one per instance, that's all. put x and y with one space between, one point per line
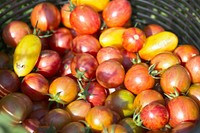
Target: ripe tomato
99 117
133 39
152 29
114 128
65 15
76 127
26 54
14 31
182 109
98 5
175 77
158 43
193 66
112 37
138 79
117 13
85 17
110 74
47 15
194 92
63 89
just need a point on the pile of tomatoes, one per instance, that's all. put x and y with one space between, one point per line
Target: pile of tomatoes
84 67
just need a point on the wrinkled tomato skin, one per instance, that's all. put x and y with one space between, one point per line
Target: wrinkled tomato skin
175 77
138 79
110 74
182 109
193 66
185 52
117 13
154 116
85 17
133 39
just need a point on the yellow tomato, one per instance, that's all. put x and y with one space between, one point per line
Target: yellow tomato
26 54
98 5
158 43
112 37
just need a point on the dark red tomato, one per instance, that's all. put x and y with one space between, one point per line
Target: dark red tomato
14 31
96 94
194 92
110 74
78 109
184 127
164 60
152 29
48 63
114 128
128 57
63 89
35 86
174 78
185 52
83 66
182 109
130 125
133 39
57 118
138 79
65 15
117 13
121 101
17 105
9 82
47 15
66 60
85 20
99 117
61 40
73 127
31 125
193 66
86 44
39 115
154 116
5 60
109 52
146 97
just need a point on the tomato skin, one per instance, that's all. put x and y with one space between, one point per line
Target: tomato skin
194 92
155 44
47 15
152 29
65 15
76 127
193 66
133 39
26 54
85 17
116 128
138 79
117 13
181 109
175 77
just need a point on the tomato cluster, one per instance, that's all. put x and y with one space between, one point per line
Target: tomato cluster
84 67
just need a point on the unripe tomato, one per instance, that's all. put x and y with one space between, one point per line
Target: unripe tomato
26 54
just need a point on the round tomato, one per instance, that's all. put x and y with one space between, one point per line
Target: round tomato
152 29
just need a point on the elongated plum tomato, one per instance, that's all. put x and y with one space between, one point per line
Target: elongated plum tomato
117 13
47 15
133 39
158 43
85 17
26 54
138 79
112 37
97 5
175 77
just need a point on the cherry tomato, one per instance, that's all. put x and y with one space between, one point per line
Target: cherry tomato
65 15
76 127
194 92
114 128
152 29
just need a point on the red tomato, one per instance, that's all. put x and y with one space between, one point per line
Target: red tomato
85 20
175 77
117 13
193 66
194 92
133 39
152 29
184 127
47 15
110 74
65 15
182 109
138 79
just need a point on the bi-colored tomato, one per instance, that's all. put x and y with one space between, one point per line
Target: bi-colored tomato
26 54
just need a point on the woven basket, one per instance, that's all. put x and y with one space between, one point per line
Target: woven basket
179 16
